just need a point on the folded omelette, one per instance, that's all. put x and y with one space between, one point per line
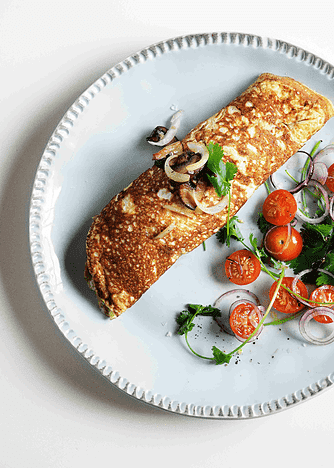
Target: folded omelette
146 227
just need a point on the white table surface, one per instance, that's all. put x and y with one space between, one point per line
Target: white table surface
55 411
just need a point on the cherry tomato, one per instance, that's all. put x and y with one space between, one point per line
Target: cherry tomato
244 318
242 267
281 246
279 207
330 178
323 294
286 302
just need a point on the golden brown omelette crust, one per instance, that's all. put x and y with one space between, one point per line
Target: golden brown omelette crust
259 131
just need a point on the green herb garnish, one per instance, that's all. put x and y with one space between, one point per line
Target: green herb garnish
317 252
223 173
186 317
263 224
224 236
185 322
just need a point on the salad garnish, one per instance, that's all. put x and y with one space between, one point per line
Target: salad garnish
186 318
311 261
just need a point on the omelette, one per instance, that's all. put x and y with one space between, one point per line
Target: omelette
172 207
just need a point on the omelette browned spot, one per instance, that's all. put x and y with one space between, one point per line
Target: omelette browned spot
145 228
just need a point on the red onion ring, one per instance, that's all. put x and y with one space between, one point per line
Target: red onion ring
327 151
298 277
294 222
304 323
307 219
331 208
304 182
233 295
320 172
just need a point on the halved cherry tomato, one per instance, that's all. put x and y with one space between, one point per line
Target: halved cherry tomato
281 245
244 318
323 294
286 302
330 178
279 207
242 267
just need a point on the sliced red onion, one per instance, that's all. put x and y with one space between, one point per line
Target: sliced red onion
294 222
286 243
214 209
257 311
301 184
331 207
320 172
304 325
171 132
231 296
308 219
327 151
298 277
203 151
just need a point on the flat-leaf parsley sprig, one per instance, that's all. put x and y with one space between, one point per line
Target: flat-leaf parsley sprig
185 320
317 252
222 174
186 325
234 232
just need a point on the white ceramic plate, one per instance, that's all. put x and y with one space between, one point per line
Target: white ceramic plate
97 149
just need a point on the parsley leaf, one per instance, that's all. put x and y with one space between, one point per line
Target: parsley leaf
223 172
263 224
325 230
318 243
317 252
324 279
329 262
186 317
184 320
220 357
310 257
224 236
259 252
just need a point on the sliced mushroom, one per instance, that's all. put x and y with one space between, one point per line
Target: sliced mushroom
171 149
201 187
183 161
157 134
186 192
